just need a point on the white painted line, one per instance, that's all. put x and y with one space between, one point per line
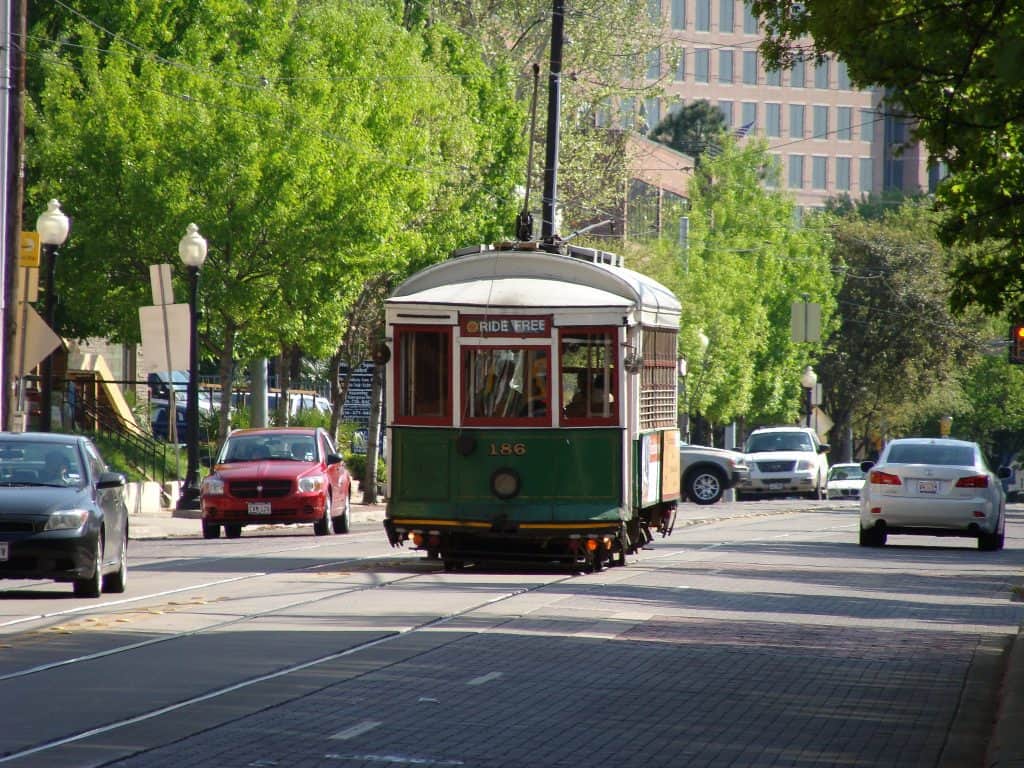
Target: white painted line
357 730
484 678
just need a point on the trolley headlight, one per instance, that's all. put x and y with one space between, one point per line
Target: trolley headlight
505 483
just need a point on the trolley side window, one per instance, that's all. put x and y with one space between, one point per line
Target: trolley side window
422 379
658 397
588 376
506 385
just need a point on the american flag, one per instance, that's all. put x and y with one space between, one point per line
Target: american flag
743 130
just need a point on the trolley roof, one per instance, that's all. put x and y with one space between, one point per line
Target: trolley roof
519 278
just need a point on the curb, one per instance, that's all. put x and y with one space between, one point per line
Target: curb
1006 749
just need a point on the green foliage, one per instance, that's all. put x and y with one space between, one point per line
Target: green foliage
356 463
954 70
696 129
895 362
748 259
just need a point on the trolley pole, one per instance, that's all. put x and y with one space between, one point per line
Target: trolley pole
554 116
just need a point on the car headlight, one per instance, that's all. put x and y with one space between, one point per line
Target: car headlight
66 520
804 465
312 483
213 486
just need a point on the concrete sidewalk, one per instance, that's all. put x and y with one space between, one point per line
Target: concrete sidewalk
169 524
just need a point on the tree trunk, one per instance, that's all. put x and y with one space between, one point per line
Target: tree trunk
369 482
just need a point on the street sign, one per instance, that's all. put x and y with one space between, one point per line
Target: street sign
28 250
40 340
165 334
805 321
160 282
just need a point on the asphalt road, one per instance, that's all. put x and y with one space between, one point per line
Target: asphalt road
758 634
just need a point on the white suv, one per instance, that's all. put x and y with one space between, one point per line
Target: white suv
785 461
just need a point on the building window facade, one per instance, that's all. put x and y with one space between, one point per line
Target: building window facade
866 175
750 67
844 123
796 171
773 120
678 14
702 65
796 121
820 120
702 23
726 16
749 20
773 77
819 172
654 64
748 116
726 109
796 74
821 70
867 124
725 66
680 71
842 174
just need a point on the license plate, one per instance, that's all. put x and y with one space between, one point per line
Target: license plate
775 486
5 551
927 486
259 507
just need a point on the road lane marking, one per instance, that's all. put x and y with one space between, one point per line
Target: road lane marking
484 678
357 730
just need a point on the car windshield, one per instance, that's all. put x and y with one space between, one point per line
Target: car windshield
846 473
40 463
779 441
925 453
261 447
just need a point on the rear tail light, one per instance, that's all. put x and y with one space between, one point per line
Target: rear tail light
878 477
974 481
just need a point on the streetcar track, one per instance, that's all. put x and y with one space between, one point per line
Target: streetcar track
210 695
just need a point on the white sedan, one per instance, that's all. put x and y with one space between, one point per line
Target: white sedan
932 487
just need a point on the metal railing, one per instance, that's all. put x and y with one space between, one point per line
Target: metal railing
149 453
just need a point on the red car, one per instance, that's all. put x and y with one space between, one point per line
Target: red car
277 475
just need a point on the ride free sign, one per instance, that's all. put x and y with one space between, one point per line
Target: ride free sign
521 326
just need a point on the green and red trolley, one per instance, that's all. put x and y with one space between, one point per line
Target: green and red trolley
532 409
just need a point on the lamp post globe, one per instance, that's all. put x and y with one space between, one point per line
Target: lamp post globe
192 250
809 380
53 227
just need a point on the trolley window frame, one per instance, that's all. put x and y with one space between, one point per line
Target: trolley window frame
467 393
402 333
610 374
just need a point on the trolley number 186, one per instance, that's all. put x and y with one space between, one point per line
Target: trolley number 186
508 449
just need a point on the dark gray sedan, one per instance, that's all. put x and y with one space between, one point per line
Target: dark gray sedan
62 514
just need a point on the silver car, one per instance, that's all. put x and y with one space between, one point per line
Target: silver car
932 487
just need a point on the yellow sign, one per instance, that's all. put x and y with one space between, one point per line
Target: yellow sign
28 252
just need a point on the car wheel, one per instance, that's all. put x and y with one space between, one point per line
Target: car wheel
704 486
990 542
233 531
872 537
92 584
341 522
117 581
322 527
211 530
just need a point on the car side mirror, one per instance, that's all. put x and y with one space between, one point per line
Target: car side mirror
110 480
824 448
1004 472
866 465
334 458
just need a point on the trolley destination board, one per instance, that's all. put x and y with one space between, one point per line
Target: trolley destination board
506 326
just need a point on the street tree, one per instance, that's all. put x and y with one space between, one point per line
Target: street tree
314 143
896 357
695 129
746 260
954 71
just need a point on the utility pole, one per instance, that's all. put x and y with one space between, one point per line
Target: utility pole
554 116
14 15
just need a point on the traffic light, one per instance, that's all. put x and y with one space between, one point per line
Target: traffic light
1017 343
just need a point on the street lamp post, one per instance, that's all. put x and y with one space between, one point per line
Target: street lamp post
809 381
192 250
52 226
